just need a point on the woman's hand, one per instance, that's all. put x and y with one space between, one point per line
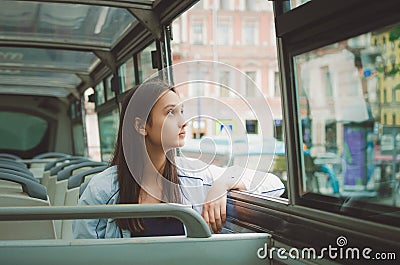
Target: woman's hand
214 208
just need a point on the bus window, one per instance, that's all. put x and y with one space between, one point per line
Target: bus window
108 127
127 75
77 128
145 66
109 92
232 103
79 140
23 131
100 94
350 107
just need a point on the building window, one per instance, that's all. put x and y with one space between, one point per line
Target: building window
277 85
250 33
252 126
198 128
250 83
225 4
224 36
250 5
224 81
330 137
197 33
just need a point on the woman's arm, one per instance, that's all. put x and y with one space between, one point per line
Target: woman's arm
100 190
89 228
235 178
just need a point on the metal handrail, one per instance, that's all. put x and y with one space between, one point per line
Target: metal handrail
196 227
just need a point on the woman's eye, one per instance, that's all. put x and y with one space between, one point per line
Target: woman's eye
171 112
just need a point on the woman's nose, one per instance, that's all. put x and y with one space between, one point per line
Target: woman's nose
181 121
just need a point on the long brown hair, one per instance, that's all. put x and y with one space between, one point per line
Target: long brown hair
129 153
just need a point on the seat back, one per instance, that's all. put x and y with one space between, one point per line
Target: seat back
29 193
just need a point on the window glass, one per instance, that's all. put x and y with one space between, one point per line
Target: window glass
127 75
224 28
225 82
250 83
250 5
145 63
226 79
73 111
61 22
109 93
99 92
79 139
197 32
250 33
351 132
252 126
22 132
108 127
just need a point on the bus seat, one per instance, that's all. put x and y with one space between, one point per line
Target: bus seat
51 165
76 180
66 173
9 156
30 193
32 188
13 162
8 186
26 230
52 178
50 155
57 185
67 163
72 196
36 166
61 160
16 168
18 173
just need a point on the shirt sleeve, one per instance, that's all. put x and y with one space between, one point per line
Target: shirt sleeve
89 228
257 182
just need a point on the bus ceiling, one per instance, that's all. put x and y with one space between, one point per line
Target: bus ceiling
60 48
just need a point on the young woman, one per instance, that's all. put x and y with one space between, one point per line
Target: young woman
144 170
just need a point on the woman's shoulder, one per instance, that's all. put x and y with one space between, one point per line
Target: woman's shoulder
105 181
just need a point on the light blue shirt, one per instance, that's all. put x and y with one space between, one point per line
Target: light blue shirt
195 180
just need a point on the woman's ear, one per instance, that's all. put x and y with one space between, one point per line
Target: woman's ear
140 127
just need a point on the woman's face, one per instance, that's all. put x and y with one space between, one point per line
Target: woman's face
166 128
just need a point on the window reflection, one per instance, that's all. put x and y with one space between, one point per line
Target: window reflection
349 117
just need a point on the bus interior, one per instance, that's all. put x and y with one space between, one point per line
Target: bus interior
330 130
